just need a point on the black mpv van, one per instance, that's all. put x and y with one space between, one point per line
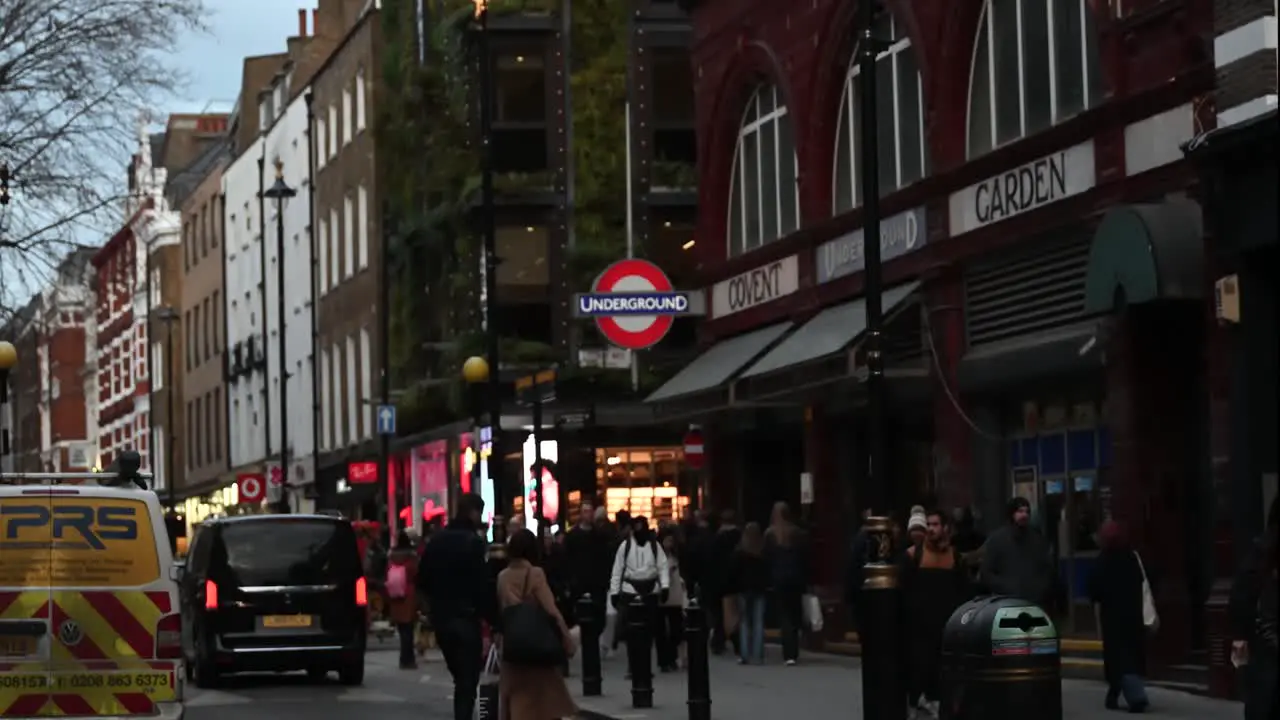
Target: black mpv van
274 593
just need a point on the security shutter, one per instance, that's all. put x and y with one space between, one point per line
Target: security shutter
1038 288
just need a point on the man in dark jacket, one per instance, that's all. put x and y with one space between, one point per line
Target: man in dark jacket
460 590
588 553
1015 559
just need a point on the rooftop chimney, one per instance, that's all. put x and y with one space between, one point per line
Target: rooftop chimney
315 21
302 23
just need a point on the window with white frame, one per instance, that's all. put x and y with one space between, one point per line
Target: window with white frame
360 100
1036 63
323 259
326 401
339 428
362 228
348 237
333 130
353 408
764 199
157 359
901 156
321 147
346 116
334 228
366 380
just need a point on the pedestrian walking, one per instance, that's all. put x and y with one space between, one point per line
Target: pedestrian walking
934 582
1015 559
671 614
402 596
458 584
531 692
749 581
1253 613
718 598
589 558
787 555
1115 588
640 571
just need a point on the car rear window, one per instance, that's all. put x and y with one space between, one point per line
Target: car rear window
290 552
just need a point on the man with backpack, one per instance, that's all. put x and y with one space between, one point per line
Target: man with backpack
402 575
640 570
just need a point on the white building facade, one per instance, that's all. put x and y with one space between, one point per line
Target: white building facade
246 386
287 142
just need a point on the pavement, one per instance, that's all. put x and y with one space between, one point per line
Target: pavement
820 686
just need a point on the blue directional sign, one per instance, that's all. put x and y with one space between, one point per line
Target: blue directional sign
386 419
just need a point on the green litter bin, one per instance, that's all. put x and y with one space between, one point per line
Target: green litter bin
1000 659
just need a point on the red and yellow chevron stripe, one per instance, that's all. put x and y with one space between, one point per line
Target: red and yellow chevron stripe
104 664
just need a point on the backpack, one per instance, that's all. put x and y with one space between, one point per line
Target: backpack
397 582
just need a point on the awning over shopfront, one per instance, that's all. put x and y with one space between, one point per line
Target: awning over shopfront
1048 353
1145 253
821 341
713 368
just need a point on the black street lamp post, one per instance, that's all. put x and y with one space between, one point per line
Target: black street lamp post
491 261
882 695
169 316
281 193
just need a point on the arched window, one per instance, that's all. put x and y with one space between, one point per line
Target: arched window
763 199
1041 59
902 156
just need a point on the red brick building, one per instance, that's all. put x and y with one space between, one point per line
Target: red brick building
1044 272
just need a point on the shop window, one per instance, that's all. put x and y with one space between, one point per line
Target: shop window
901 156
642 481
1036 63
764 197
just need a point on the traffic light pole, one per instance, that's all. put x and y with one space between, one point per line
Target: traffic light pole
883 695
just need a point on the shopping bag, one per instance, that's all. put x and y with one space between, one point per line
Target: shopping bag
812 612
487 692
1150 618
729 606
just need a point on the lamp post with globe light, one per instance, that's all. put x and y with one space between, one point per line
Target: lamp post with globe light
8 361
280 192
476 373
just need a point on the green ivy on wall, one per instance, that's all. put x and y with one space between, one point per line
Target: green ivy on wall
429 160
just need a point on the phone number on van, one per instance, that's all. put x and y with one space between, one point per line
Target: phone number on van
143 681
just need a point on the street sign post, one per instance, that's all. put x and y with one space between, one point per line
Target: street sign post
534 390
634 304
386 419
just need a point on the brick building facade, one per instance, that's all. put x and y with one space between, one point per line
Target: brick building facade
1042 243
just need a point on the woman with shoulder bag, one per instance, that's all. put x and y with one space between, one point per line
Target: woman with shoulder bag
531 688
1116 587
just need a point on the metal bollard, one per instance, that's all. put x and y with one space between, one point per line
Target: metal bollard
640 653
590 626
695 635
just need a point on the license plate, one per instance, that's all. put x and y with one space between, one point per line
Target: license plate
17 646
286 621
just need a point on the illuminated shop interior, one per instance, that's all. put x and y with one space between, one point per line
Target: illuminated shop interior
641 480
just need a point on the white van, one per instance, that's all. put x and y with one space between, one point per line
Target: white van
89 623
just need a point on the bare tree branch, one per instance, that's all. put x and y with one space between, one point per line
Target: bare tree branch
75 76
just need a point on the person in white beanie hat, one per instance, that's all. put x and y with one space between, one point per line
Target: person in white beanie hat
917 526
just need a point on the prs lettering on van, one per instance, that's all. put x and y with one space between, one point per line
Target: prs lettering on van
83 527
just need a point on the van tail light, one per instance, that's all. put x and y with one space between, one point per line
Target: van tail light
362 592
169 637
210 595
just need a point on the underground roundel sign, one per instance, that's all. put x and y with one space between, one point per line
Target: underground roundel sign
634 304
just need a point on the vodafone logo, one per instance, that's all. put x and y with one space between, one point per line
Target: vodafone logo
251 487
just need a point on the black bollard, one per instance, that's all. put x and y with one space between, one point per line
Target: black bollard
695 635
640 653
589 626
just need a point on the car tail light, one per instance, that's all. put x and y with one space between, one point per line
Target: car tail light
210 595
362 592
169 637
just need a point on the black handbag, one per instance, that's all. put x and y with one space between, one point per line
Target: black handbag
530 635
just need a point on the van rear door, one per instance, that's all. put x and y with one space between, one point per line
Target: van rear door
26 542
286 582
110 590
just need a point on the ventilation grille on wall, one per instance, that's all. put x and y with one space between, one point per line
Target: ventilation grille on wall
1038 289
